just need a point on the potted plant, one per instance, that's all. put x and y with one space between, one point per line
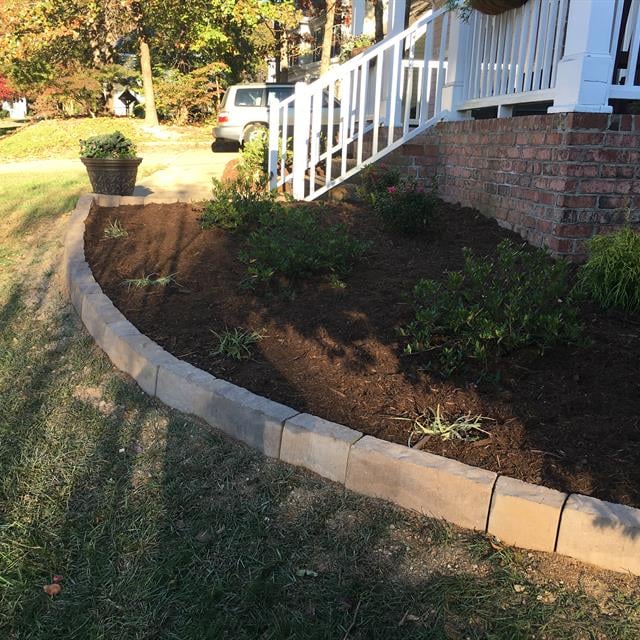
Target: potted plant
494 7
490 7
111 163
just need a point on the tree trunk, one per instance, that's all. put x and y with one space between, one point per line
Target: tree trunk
150 113
378 12
327 39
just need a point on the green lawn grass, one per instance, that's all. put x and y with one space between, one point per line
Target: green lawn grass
161 528
59 138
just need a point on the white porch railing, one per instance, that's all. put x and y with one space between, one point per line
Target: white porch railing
626 79
516 52
360 111
575 55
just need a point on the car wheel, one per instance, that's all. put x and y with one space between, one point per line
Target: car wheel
253 132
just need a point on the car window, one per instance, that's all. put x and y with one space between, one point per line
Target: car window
279 93
249 97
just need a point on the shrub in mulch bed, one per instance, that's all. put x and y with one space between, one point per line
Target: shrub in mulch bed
558 390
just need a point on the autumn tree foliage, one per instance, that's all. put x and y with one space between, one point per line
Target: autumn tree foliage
7 92
41 40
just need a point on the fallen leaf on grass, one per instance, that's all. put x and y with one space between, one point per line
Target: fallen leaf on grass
306 573
52 590
518 588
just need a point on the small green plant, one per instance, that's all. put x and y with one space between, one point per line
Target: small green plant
403 205
431 423
407 208
149 281
239 204
236 344
4 114
611 275
375 179
493 307
115 230
293 246
253 157
111 145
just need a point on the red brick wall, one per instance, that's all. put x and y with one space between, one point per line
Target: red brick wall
556 179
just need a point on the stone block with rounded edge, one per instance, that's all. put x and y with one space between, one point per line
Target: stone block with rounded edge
601 533
525 515
97 312
103 200
433 485
248 417
134 354
161 199
83 207
129 201
185 387
80 283
318 445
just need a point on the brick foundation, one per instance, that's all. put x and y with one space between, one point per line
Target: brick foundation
555 179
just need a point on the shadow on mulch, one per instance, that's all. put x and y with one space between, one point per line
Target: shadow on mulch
569 420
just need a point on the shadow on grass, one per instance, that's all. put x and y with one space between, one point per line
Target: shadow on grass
48 201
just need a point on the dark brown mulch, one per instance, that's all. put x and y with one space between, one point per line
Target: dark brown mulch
569 420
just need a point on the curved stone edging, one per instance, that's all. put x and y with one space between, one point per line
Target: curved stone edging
516 512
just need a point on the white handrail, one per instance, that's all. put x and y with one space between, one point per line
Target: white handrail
361 110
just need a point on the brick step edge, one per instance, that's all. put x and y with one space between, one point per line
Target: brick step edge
517 513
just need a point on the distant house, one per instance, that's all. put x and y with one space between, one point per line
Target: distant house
17 108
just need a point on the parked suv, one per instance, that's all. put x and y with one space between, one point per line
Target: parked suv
244 112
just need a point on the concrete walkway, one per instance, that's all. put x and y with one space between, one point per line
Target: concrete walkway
187 175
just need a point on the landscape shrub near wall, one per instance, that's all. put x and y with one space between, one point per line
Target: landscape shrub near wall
611 275
521 298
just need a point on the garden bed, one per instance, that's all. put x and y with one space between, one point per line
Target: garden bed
569 419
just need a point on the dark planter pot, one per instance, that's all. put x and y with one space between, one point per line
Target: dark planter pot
113 176
494 7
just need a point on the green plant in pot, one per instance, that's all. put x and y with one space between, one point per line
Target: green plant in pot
490 7
111 163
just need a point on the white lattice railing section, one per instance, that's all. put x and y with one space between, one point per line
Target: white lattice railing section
516 52
626 80
360 111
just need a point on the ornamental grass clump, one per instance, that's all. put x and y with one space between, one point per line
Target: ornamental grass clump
494 306
611 275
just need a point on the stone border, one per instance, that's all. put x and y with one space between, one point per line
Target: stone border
518 513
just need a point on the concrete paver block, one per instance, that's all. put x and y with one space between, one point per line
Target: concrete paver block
161 200
601 533
97 312
185 387
525 515
81 283
318 445
134 353
430 484
248 417
128 201
103 200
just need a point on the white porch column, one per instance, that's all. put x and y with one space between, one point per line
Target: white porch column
396 11
585 71
453 92
358 14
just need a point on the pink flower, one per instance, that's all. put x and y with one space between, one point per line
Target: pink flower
392 190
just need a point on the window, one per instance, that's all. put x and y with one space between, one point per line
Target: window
279 93
249 97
